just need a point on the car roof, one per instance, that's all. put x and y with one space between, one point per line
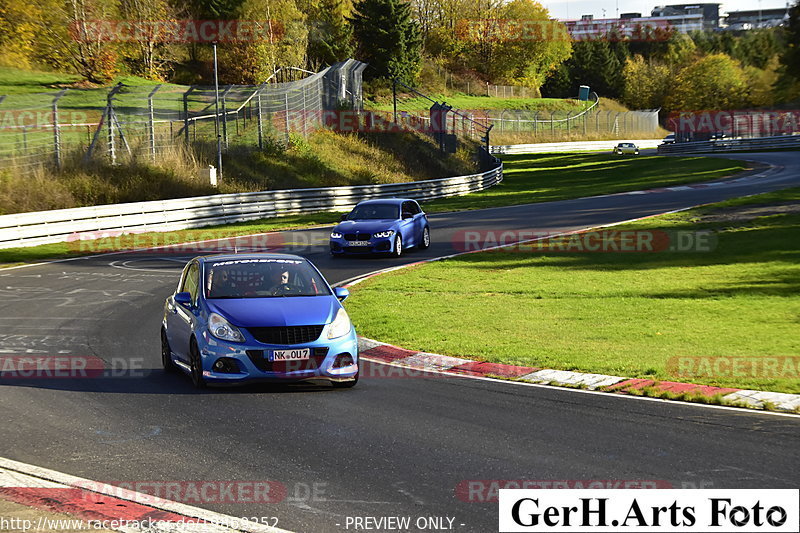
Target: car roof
240 257
386 201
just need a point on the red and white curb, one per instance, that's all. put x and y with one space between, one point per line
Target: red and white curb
113 508
419 362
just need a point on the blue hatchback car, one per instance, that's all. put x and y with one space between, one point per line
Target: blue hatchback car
258 317
381 226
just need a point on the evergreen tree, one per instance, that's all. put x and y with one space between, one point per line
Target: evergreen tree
388 39
330 38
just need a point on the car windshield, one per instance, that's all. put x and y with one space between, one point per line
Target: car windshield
263 278
374 212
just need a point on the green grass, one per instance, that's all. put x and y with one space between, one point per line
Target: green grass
464 101
623 314
530 178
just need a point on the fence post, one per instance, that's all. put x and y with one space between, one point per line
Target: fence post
304 111
286 111
260 124
151 124
552 125
186 114
394 100
225 116
57 128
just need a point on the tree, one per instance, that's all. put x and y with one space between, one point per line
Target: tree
388 39
147 56
70 39
331 37
527 56
646 83
284 45
712 82
791 55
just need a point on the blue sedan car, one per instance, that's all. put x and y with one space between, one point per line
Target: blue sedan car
258 317
381 226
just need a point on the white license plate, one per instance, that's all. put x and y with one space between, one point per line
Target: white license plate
291 355
359 243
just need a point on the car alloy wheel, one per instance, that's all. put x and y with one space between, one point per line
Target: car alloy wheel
196 365
426 238
166 353
398 246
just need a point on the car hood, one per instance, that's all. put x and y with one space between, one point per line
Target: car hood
367 226
276 312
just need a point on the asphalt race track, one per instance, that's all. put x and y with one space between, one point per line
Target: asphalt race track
389 447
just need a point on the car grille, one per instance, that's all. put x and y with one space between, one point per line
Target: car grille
357 236
287 334
260 359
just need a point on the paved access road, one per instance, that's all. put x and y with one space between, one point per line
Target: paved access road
389 447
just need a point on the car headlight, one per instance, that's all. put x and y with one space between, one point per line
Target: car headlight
382 234
340 325
224 330
336 235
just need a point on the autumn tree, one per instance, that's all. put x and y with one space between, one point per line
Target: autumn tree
712 82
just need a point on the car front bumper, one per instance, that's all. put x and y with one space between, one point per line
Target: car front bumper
380 245
247 362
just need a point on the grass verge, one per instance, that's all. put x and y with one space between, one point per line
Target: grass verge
530 178
638 315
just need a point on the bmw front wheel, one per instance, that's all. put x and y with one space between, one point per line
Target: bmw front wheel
398 246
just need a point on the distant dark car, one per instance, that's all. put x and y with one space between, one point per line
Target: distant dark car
718 136
669 139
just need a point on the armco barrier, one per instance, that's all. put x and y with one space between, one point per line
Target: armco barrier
44 227
727 145
570 146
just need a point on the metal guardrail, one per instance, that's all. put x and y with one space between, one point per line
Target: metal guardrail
63 225
727 145
570 146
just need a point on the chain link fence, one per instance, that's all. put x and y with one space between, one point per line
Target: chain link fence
564 123
149 121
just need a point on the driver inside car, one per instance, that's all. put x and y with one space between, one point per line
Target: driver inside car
281 285
222 284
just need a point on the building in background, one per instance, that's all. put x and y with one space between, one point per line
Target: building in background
756 18
708 12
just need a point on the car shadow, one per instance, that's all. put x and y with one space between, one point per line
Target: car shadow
157 381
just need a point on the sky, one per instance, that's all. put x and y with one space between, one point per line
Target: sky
575 8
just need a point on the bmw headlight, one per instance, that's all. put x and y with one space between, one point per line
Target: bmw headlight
340 325
382 234
336 235
224 330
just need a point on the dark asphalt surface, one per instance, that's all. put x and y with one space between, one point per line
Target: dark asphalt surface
389 447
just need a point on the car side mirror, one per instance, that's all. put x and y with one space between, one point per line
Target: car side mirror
343 217
341 293
184 298
406 215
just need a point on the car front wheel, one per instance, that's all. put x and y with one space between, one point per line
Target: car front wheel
398 246
166 353
196 365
